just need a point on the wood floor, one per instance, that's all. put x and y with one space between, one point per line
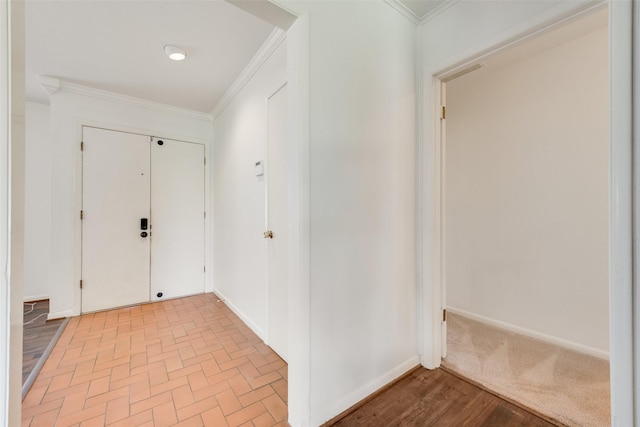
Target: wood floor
37 334
438 398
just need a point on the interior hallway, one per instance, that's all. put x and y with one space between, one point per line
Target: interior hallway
186 362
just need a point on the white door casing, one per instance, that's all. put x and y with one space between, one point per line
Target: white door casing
443 204
115 196
277 221
177 218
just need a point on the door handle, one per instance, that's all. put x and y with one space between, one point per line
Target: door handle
268 234
143 234
144 223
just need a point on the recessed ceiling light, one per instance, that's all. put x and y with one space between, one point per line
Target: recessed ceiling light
175 53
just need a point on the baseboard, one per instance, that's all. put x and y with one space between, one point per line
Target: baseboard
34 298
339 406
580 348
256 330
61 314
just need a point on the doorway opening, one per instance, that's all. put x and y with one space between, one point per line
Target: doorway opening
524 196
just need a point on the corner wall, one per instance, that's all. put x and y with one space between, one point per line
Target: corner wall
362 295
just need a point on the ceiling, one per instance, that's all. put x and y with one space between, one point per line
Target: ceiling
421 7
118 45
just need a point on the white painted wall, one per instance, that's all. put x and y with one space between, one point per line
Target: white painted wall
239 248
71 107
37 233
362 296
526 193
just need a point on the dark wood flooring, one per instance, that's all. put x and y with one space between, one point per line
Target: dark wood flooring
438 398
37 334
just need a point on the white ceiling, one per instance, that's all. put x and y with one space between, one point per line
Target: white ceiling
421 7
117 45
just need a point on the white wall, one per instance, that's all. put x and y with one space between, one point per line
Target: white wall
239 248
362 296
527 193
37 233
71 107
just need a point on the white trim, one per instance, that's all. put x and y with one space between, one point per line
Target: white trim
337 406
266 50
53 85
437 11
404 10
32 298
299 276
623 279
5 206
591 351
62 314
246 319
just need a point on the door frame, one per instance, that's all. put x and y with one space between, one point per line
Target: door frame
625 389
277 89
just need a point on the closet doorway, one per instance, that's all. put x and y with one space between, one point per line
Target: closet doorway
525 222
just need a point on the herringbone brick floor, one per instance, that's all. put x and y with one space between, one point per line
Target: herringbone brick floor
183 362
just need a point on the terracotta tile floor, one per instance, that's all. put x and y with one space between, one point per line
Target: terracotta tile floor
184 362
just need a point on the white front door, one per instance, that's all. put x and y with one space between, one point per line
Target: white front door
115 197
277 222
177 210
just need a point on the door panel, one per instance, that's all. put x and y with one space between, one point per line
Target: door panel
177 210
277 219
115 196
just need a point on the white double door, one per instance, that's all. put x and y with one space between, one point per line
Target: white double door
142 219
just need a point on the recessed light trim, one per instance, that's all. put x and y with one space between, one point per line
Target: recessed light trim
175 53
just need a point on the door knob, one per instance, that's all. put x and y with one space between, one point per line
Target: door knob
268 234
143 234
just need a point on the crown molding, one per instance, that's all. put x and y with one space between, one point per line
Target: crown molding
54 85
274 40
49 84
404 11
437 11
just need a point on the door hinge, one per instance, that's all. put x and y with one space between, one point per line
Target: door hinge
81 146
443 112
444 315
204 268
205 161
80 284
81 214
205 215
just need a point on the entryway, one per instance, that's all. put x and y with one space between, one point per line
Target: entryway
142 219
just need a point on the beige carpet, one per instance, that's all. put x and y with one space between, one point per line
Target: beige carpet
564 385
